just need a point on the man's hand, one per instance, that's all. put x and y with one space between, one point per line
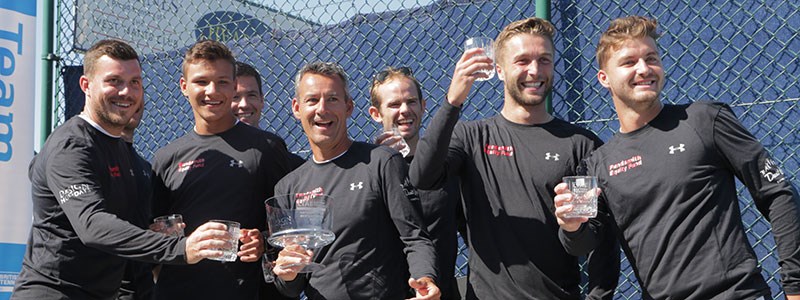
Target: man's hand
290 261
391 140
252 245
425 287
205 241
563 205
792 297
466 73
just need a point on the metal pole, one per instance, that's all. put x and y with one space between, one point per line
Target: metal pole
48 23
543 12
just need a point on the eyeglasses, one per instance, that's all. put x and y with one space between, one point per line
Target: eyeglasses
381 76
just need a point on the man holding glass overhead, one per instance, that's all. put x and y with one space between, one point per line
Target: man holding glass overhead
508 165
381 246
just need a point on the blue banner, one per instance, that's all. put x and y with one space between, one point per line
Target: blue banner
17 88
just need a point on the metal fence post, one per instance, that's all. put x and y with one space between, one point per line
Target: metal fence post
543 11
48 24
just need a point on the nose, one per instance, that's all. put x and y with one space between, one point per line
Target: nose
404 108
211 88
642 68
322 106
242 102
125 88
533 68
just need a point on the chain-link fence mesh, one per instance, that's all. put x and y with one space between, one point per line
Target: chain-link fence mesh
742 52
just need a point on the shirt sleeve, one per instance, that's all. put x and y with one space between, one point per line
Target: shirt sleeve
603 260
596 238
292 288
73 179
404 205
436 158
774 195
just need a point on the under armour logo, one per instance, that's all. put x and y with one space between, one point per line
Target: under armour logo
132 174
353 185
672 149
235 163
548 156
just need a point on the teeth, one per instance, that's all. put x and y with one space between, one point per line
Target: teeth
244 114
403 122
122 104
533 84
646 83
213 102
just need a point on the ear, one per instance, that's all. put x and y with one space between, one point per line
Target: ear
183 87
296 108
83 82
350 107
602 77
499 71
375 113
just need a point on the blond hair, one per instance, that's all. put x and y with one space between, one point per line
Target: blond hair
621 30
532 26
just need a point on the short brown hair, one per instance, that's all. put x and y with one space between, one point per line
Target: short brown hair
388 74
621 30
112 48
532 26
209 50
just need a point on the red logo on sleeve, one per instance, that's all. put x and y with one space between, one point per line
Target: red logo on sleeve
114 171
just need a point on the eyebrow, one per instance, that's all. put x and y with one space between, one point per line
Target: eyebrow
329 94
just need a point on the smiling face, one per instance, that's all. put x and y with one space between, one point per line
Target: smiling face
526 68
210 87
113 92
399 105
634 75
248 101
323 107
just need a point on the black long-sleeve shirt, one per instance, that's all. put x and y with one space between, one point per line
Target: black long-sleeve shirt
225 176
670 188
507 173
380 236
83 192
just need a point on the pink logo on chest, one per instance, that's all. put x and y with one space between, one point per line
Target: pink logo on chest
625 165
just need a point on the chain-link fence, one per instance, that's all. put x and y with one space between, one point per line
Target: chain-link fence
742 52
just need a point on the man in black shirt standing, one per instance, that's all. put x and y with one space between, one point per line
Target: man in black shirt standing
248 101
85 195
381 239
221 169
397 101
508 166
668 177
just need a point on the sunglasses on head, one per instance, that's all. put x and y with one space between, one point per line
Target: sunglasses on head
382 75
